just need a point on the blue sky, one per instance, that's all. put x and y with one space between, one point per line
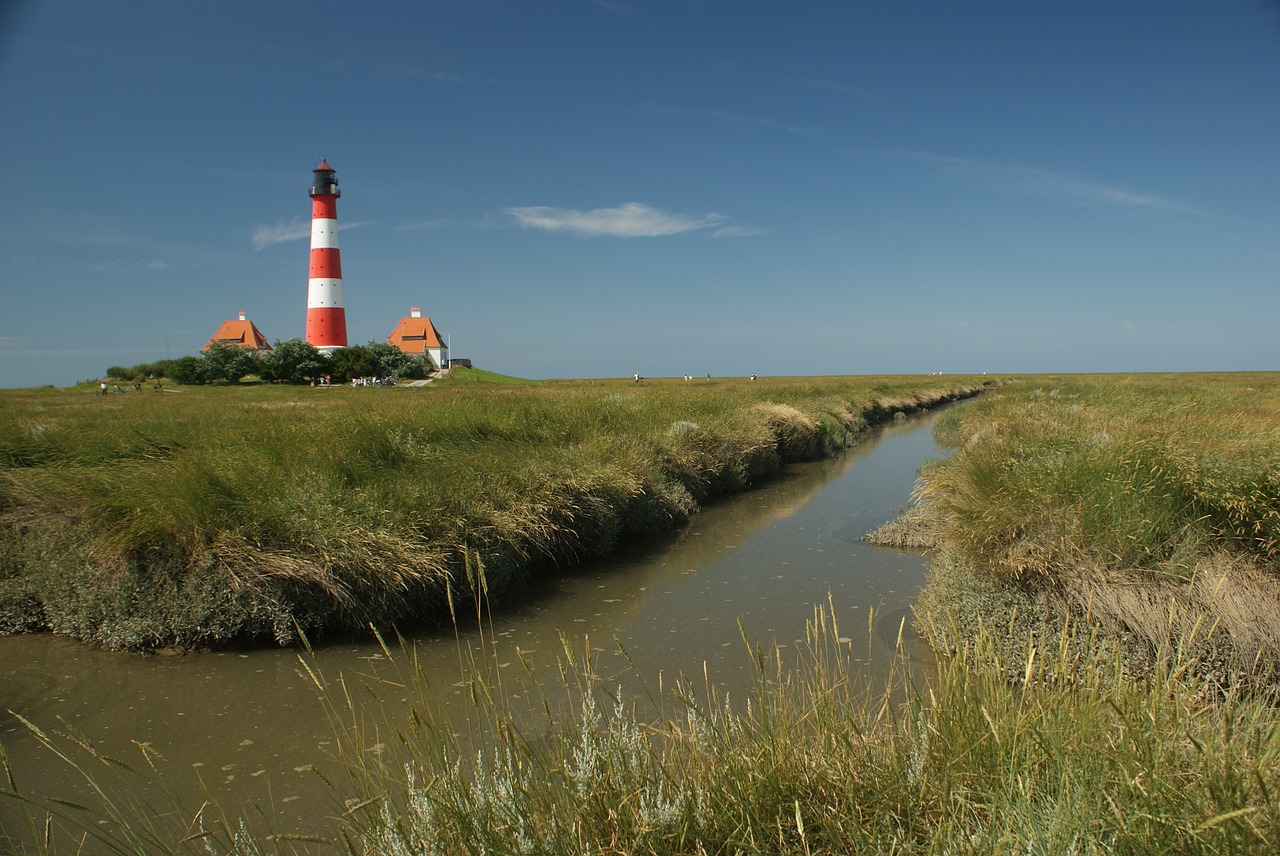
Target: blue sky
572 188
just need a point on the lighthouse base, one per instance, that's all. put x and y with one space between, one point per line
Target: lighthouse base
327 328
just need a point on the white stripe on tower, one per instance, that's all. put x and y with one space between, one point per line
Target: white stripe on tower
326 317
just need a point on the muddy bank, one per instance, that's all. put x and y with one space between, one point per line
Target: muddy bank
303 564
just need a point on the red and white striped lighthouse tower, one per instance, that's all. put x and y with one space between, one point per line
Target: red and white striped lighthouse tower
326 318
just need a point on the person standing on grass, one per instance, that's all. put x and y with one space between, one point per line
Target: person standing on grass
104 387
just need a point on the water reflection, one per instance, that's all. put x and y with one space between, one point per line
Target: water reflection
750 566
762 559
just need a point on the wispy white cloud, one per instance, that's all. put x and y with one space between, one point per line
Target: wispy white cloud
294 230
736 232
759 122
446 77
265 236
1033 181
1129 325
124 266
412 68
424 225
631 220
821 84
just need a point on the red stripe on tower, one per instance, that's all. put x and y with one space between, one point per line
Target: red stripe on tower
326 317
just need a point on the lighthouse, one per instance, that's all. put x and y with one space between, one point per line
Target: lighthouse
326 317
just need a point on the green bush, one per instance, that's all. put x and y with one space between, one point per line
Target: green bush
188 371
376 359
230 363
294 361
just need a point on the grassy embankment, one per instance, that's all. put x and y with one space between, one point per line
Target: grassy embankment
195 517
1148 504
1080 519
1076 754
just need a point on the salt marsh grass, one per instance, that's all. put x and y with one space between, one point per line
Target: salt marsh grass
1151 503
1036 731
195 517
1075 755
1122 473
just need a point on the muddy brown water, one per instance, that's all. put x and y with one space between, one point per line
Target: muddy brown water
251 728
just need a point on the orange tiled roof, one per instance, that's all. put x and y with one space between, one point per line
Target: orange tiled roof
242 333
415 335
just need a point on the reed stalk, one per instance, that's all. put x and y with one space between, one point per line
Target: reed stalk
1075 755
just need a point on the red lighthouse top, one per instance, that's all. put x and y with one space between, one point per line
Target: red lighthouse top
326 182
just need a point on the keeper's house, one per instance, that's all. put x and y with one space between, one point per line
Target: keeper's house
241 333
415 334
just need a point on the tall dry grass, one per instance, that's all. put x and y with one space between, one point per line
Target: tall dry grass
1150 503
1074 756
1118 472
192 518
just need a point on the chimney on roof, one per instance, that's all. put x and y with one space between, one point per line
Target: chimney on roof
241 316
415 312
